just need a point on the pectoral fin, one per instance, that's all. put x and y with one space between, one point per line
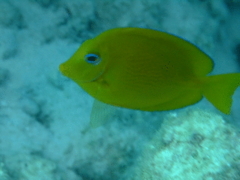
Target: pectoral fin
100 114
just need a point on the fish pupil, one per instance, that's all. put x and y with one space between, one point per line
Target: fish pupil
92 58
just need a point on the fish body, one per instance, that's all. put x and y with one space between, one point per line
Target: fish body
148 70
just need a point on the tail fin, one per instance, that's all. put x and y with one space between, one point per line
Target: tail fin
219 89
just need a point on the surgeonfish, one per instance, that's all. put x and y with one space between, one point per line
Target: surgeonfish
148 70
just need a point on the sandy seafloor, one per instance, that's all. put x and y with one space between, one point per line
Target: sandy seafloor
44 115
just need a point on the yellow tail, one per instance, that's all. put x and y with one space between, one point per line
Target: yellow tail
219 89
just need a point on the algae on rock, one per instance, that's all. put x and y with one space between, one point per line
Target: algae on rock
193 145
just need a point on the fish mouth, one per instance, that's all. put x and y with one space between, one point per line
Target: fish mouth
78 75
63 69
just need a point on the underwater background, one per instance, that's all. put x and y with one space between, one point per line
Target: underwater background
44 116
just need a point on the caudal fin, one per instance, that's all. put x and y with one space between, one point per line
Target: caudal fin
219 89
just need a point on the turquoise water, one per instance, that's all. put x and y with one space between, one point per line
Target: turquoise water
44 116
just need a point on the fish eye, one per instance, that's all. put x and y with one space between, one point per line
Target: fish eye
92 59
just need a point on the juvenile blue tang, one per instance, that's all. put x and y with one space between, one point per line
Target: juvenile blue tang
148 70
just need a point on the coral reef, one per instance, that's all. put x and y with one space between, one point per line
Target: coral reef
193 145
3 172
34 167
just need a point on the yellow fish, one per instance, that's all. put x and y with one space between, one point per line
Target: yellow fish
148 70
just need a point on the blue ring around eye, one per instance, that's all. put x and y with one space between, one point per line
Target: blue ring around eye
92 59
